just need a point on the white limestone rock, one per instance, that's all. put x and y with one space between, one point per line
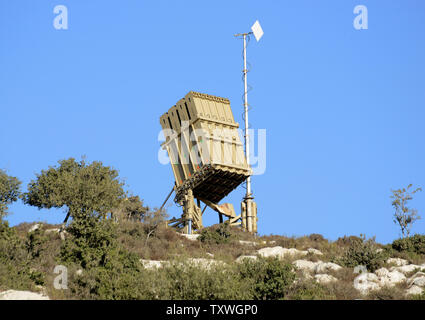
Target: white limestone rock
192 237
382 272
389 278
296 252
325 278
406 268
205 264
305 265
248 243
366 282
272 252
413 290
35 227
397 261
315 252
392 278
268 242
418 279
152 264
54 230
324 267
62 233
22 295
280 252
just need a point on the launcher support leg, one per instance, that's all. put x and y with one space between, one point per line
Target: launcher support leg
189 226
225 209
192 214
249 215
248 202
243 216
166 199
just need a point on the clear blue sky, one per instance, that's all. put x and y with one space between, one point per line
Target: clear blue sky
344 109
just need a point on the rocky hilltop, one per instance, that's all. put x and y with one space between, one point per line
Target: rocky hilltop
221 262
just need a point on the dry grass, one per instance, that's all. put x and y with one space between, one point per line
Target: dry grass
388 293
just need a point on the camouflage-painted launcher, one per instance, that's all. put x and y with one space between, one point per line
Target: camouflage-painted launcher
205 150
204 147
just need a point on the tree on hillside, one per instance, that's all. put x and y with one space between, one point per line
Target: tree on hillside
404 216
131 208
152 220
82 189
9 191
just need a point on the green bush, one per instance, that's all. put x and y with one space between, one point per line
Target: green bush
261 279
15 262
216 234
125 278
35 243
185 281
270 279
315 237
90 243
109 271
414 244
121 278
362 252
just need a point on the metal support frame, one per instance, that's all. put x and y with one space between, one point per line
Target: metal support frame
166 199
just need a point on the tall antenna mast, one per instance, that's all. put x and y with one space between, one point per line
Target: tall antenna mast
247 205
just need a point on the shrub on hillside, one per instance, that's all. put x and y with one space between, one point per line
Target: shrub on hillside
35 243
186 281
315 237
121 277
414 244
364 253
15 262
216 234
90 243
153 221
109 271
347 241
270 279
